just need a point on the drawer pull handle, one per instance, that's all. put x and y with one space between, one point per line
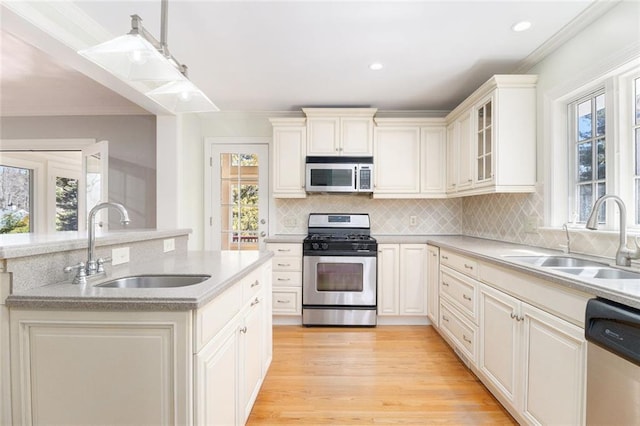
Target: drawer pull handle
468 266
285 250
444 318
255 302
445 257
283 301
284 279
446 284
243 330
465 338
284 264
256 283
516 317
465 297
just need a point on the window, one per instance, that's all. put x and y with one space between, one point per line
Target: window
66 204
16 185
636 136
589 153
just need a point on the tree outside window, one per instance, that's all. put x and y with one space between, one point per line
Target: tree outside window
15 199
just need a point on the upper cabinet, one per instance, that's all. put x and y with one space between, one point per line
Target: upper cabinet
288 157
339 131
409 158
491 138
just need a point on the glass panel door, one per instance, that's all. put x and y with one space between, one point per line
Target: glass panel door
239 196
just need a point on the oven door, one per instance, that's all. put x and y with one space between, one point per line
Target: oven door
339 280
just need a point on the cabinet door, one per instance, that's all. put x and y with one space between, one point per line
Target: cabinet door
484 142
433 278
397 160
216 381
554 369
499 341
252 355
466 152
433 160
413 279
452 157
388 279
288 162
323 136
356 136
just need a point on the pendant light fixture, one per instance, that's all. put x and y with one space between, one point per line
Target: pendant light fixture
146 64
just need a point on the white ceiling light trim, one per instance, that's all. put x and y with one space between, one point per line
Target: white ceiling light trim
376 66
146 64
521 26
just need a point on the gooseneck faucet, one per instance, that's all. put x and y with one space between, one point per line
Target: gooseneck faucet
92 264
624 253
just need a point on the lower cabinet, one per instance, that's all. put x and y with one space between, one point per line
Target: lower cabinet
402 279
162 368
433 284
535 360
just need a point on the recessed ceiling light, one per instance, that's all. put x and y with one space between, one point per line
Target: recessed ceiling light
521 26
376 66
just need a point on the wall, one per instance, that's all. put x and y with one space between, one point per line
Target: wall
503 216
132 154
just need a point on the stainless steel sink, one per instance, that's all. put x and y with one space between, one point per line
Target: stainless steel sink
155 281
556 261
604 273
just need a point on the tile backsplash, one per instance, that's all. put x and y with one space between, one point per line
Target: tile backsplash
502 217
387 216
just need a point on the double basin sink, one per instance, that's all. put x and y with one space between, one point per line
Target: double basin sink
582 268
155 281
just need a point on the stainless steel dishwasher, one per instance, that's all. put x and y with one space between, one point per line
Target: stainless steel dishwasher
612 331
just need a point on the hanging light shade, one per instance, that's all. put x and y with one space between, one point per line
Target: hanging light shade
146 64
182 96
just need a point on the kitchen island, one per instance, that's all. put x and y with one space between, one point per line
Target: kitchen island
82 354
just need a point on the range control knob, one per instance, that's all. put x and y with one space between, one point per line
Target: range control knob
325 246
315 246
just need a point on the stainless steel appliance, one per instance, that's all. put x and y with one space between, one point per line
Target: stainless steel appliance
612 331
339 174
339 267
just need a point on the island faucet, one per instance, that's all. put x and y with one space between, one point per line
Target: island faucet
624 253
92 264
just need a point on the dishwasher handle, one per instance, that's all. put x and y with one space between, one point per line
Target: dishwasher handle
614 327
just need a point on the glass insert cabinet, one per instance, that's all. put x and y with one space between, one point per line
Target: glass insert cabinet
484 138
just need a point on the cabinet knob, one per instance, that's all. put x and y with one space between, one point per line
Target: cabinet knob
243 330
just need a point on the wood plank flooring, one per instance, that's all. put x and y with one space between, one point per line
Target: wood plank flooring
382 375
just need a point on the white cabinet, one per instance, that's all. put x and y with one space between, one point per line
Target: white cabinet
409 158
339 131
288 157
402 279
535 360
433 284
492 138
72 367
459 154
5 366
287 278
397 161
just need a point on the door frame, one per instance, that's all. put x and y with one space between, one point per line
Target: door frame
209 142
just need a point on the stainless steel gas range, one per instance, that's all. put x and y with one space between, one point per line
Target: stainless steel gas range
339 268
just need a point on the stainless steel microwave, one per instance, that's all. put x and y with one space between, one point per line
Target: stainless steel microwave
339 174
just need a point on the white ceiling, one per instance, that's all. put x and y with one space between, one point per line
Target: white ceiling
282 55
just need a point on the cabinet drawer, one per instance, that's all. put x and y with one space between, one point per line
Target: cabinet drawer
212 318
287 264
287 279
285 249
251 285
461 290
460 263
287 301
458 329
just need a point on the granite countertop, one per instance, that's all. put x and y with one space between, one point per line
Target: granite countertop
21 245
225 268
625 291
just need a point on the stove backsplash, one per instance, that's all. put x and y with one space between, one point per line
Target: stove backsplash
387 216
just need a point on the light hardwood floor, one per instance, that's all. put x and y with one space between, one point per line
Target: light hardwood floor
382 375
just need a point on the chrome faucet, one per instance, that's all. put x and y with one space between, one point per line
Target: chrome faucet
93 264
624 253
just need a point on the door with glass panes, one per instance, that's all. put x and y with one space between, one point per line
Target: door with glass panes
239 196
